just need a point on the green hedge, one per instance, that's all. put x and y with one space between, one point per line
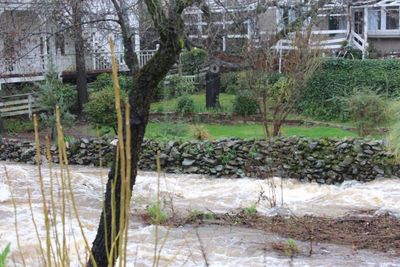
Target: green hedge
193 60
337 78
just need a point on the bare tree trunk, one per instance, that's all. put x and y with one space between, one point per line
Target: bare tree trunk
127 35
276 128
144 86
264 113
81 75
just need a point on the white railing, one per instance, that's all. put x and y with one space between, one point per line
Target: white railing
144 56
358 41
99 61
321 39
18 105
31 65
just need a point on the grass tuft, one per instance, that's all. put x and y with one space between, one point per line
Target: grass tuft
156 214
250 211
3 255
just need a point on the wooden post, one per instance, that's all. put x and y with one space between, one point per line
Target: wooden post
212 87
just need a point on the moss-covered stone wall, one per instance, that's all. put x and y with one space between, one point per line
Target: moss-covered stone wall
321 160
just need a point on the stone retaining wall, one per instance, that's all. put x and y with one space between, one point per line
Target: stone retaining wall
322 160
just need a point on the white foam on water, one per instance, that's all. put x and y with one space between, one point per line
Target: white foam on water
5 193
224 245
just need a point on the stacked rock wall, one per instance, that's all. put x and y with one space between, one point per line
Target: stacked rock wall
322 160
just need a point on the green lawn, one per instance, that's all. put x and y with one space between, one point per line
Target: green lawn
182 131
226 101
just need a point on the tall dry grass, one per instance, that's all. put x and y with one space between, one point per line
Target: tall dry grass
61 208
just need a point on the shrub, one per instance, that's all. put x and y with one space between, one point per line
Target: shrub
53 92
367 109
100 110
337 78
199 132
185 104
229 83
245 104
18 126
193 60
174 86
105 80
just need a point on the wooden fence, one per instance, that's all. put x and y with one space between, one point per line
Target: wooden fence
21 104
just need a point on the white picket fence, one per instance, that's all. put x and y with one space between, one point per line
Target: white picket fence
101 61
22 104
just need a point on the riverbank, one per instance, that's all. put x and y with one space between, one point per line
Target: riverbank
361 230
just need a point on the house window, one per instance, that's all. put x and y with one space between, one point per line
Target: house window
60 43
374 19
358 21
392 18
333 23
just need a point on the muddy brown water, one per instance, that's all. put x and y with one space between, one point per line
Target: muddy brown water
181 194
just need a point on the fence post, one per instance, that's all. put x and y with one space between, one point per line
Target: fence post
30 106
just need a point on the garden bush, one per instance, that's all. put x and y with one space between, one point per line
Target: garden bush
193 60
367 110
174 86
105 80
185 104
245 104
229 83
53 92
322 98
12 125
100 110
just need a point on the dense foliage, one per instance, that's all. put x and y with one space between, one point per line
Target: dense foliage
174 86
185 104
105 80
336 79
229 82
367 110
245 104
53 92
193 60
100 110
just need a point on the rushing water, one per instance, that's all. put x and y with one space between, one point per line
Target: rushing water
222 245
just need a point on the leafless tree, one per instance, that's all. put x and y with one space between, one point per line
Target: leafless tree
168 23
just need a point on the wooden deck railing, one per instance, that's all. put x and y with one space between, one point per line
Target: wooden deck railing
22 104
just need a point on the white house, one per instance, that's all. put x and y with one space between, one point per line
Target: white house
364 24
30 43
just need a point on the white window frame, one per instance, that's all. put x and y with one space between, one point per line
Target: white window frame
383 32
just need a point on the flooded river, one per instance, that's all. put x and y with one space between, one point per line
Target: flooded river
190 245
